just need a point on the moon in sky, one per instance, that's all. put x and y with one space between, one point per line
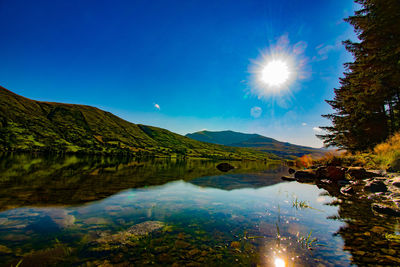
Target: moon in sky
275 72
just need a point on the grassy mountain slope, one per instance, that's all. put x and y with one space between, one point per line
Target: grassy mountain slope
28 125
256 142
222 138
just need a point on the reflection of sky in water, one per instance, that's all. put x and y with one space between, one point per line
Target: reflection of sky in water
257 211
264 207
181 195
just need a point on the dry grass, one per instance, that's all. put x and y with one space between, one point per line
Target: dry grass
388 153
384 155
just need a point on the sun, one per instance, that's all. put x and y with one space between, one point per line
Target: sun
275 73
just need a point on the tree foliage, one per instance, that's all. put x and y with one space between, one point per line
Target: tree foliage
367 103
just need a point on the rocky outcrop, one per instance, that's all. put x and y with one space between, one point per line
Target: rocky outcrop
356 182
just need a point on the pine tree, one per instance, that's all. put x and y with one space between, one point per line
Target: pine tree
367 104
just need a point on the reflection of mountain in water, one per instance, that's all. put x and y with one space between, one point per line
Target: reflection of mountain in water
27 180
237 181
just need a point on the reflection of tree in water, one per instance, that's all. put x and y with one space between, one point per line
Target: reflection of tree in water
366 236
29 180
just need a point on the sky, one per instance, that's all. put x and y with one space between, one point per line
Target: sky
186 65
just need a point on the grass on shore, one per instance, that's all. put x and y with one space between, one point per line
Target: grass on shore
384 156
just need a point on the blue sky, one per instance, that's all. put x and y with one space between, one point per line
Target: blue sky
181 65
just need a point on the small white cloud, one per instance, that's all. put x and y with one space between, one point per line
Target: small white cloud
255 112
317 129
323 51
157 106
304 124
299 47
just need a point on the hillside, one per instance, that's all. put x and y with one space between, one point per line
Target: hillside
256 142
29 125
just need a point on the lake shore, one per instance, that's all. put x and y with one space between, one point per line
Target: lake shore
380 186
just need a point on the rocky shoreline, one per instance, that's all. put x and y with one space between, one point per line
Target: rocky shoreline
379 186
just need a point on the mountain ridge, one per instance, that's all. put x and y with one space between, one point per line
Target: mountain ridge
255 141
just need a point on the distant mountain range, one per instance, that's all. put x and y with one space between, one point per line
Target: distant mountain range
29 125
256 142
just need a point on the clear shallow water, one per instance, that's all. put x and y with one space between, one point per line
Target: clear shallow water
96 211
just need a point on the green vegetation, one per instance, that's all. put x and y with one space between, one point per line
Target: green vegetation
306 241
367 104
300 204
256 142
28 125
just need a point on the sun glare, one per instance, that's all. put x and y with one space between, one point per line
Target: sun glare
275 73
279 262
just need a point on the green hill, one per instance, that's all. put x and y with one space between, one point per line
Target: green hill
29 125
256 142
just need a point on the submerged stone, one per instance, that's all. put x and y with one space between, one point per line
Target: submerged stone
145 227
5 250
235 244
181 244
136 231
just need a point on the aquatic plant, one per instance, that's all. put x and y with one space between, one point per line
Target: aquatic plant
298 204
306 241
18 264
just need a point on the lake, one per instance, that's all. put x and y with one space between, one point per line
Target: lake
101 211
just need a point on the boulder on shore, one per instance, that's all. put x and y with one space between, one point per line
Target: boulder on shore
396 181
287 178
305 175
375 186
225 167
347 190
359 173
334 173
